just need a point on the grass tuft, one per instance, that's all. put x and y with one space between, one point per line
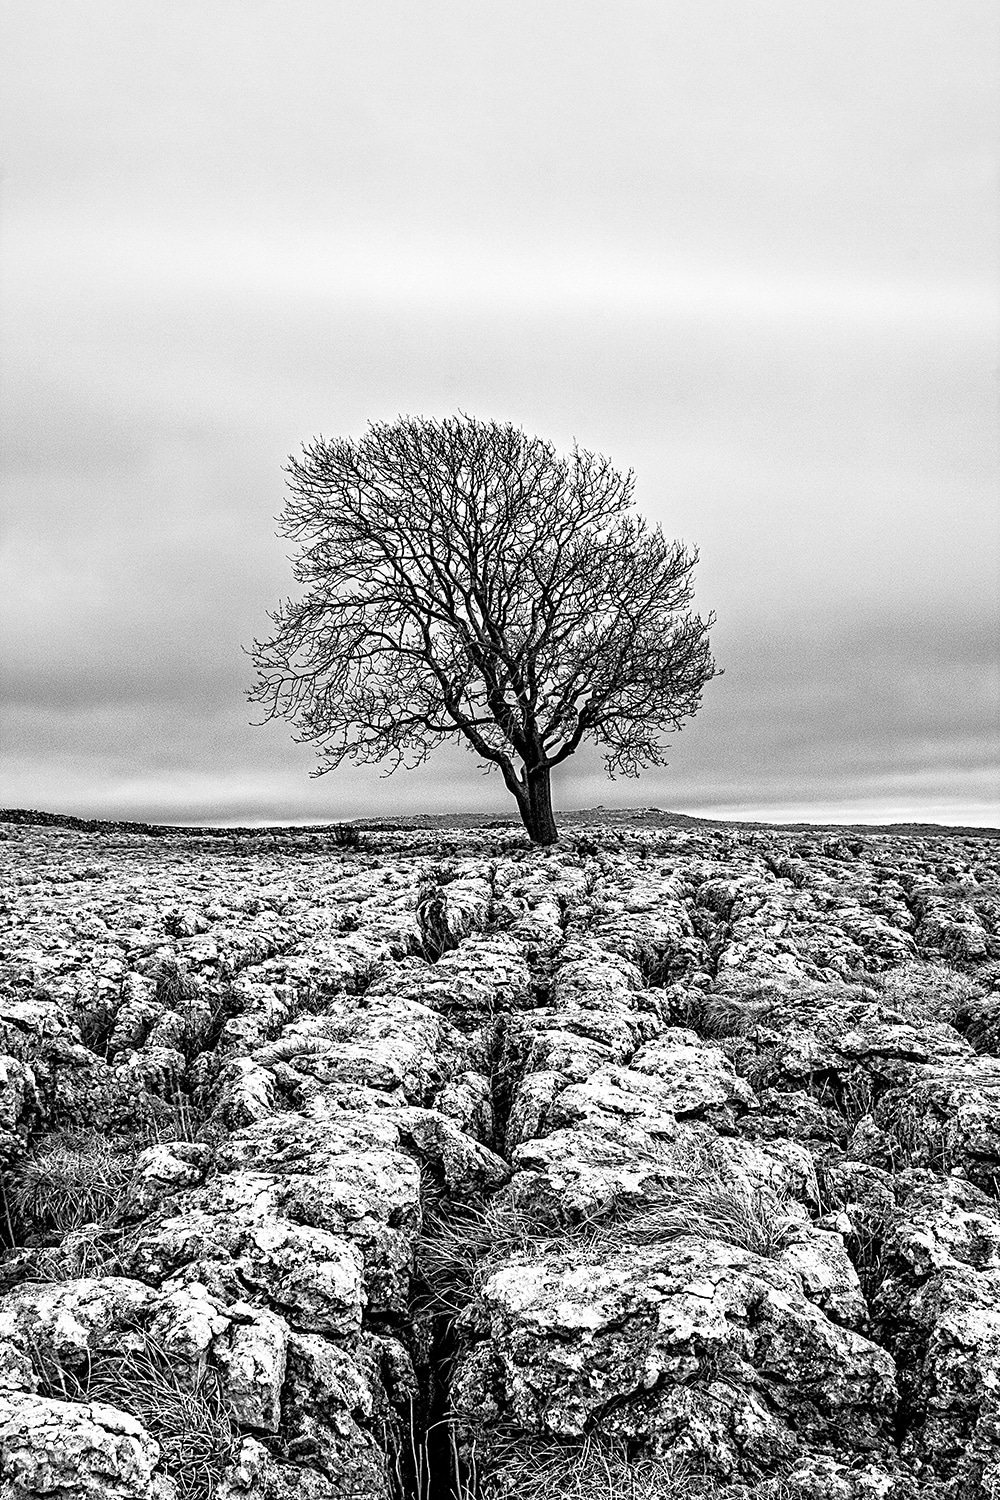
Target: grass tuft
99 1249
75 1185
458 1251
175 988
735 1212
531 1467
436 937
919 1129
348 836
925 991
189 1419
723 1015
70 1179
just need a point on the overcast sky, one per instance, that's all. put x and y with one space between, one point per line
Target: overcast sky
746 247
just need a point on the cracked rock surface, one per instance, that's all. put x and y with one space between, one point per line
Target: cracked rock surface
423 1163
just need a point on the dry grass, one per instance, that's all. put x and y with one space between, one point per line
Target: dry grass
921 1116
432 921
740 1002
457 1252
76 1184
531 1466
711 1207
176 1118
925 991
852 1096
909 1116
347 837
593 1468
92 1250
175 988
722 1015
70 1179
188 1418
288 1047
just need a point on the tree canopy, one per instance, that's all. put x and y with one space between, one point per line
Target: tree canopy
463 580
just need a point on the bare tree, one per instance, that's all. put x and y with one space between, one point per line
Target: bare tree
464 580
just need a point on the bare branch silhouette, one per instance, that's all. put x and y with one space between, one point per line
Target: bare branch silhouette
461 579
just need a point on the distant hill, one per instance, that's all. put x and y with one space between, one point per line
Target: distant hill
646 817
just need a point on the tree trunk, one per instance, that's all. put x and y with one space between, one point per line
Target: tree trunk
536 807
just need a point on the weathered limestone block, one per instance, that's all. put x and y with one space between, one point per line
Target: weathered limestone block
136 1017
336 1411
28 1023
346 1174
652 922
251 1359
232 1237
868 1142
467 1099
448 910
493 962
531 1107
256 1475
58 1323
878 1035
539 927
585 967
791 1114
785 1167
661 938
75 1452
954 1386
466 1165
582 1171
574 1057
394 924
729 895
329 964
955 931
619 1094
184 1321
696 1347
185 921
389 1043
700 1078
19 1107
538 900
817 1476
818 1259
154 1073
163 1170
859 1203
883 943
180 1031
939 1309
948 1115
244 1092
618 1020
978 1019
454 994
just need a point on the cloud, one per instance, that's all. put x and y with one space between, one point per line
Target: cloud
861 718
748 252
208 261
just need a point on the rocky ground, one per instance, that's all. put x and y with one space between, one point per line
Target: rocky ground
661 1163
